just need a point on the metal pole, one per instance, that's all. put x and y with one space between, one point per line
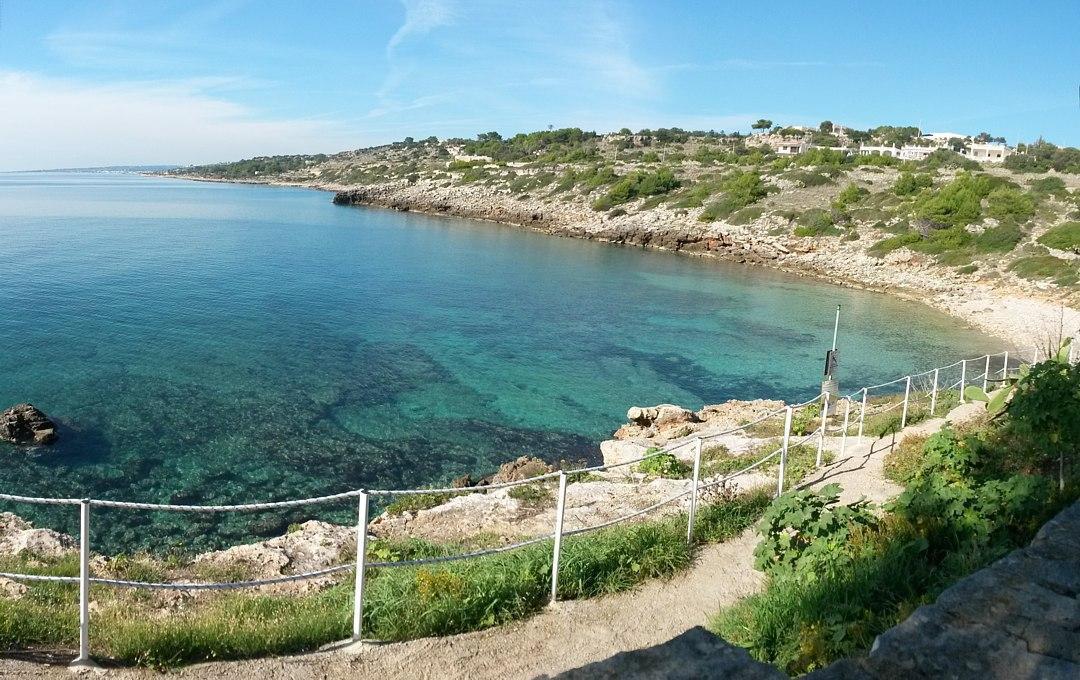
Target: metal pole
361 562
986 374
784 451
821 434
862 415
84 584
907 398
847 414
933 393
693 492
560 508
963 379
836 327
1005 367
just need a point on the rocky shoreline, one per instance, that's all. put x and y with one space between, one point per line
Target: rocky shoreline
1023 314
475 517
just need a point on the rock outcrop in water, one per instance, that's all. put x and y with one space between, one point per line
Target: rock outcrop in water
26 424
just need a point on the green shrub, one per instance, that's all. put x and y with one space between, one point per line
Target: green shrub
809 179
1049 185
891 243
849 196
806 532
415 502
903 460
1065 236
635 185
741 189
1007 204
999 239
806 419
817 222
909 183
531 494
1060 271
663 465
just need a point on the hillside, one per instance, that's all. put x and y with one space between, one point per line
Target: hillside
994 243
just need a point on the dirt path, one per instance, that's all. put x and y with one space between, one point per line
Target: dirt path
563 637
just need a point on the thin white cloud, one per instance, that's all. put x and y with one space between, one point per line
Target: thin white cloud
606 51
51 123
421 16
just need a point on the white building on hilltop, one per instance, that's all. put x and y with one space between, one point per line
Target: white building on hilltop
988 152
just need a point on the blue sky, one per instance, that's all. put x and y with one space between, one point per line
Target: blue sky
112 82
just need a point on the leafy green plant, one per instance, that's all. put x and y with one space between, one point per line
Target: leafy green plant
806 532
663 465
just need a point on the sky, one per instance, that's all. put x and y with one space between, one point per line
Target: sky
113 82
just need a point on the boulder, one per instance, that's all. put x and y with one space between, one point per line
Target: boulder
26 424
660 416
522 468
19 537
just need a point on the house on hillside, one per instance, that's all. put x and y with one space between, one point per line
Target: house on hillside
988 152
791 147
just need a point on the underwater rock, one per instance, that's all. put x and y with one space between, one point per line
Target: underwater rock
26 424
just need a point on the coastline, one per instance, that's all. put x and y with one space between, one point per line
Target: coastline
1019 314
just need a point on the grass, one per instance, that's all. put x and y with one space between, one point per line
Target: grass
399 604
1042 267
718 461
1065 236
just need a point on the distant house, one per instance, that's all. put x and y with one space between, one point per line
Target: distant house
988 152
915 153
791 147
869 150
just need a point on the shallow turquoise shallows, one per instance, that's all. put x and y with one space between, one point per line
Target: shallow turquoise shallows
215 343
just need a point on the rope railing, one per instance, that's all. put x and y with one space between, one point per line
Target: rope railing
362 496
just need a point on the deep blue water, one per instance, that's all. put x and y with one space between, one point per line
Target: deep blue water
226 343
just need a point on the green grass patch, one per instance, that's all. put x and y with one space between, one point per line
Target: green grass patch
1043 267
1065 236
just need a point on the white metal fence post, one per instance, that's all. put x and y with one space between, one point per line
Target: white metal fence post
361 567
862 415
933 393
693 491
559 511
1005 367
84 585
847 415
907 399
986 374
821 434
963 379
784 451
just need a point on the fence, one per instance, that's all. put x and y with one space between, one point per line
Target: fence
937 381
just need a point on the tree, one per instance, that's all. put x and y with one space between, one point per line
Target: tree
825 126
762 124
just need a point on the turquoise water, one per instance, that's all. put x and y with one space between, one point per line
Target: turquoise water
214 343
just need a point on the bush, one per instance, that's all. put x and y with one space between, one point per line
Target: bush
835 581
849 196
663 465
891 243
1000 239
636 185
740 190
1065 236
817 222
805 532
909 183
1060 271
1006 204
